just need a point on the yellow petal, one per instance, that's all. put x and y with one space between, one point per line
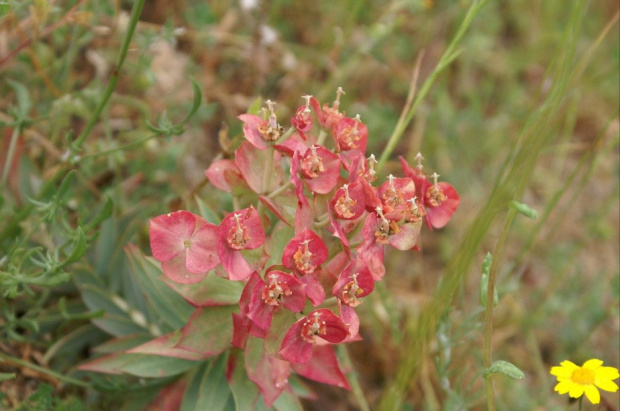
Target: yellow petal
563 387
606 385
607 373
569 364
592 364
576 391
561 372
592 393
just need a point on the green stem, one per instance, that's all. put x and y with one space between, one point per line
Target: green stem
581 403
43 370
448 57
358 393
120 148
280 189
322 136
135 16
488 312
17 130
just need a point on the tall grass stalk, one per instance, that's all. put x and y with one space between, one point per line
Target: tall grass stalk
539 131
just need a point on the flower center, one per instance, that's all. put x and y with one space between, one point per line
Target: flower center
270 129
386 228
187 243
392 197
414 212
435 195
344 204
238 235
303 258
350 135
583 376
312 165
313 327
273 294
350 292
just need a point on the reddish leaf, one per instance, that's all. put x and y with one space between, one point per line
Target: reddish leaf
323 367
208 331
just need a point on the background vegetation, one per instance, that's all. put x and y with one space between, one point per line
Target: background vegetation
527 111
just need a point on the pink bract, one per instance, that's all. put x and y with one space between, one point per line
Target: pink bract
321 324
439 215
240 230
320 168
250 130
304 253
185 244
280 290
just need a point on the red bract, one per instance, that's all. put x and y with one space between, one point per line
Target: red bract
303 213
395 193
251 163
302 120
241 230
354 282
261 132
328 116
225 175
304 253
351 134
185 244
349 201
282 290
441 200
319 325
321 168
323 367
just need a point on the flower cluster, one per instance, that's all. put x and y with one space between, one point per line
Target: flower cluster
340 220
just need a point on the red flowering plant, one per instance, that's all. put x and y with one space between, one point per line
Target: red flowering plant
267 291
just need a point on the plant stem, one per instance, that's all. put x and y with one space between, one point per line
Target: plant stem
135 16
488 312
448 57
17 130
43 370
358 393
280 189
581 403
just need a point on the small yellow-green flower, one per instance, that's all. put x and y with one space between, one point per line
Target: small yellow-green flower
576 380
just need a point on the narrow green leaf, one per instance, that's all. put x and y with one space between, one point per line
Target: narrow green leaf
67 181
195 103
484 282
212 291
524 209
164 301
208 389
244 391
21 93
207 212
505 368
4 8
79 248
208 331
102 215
5 375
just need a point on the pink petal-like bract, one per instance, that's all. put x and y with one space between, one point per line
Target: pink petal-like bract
354 282
282 290
323 367
185 244
440 215
250 130
349 201
304 253
225 175
320 168
299 340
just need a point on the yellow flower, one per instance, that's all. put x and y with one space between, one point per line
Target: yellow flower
576 380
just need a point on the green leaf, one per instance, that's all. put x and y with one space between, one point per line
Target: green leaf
79 248
67 181
208 389
208 331
165 302
505 368
166 346
4 8
524 209
484 281
195 103
103 214
6 375
140 365
244 391
23 100
288 402
255 106
212 291
207 212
